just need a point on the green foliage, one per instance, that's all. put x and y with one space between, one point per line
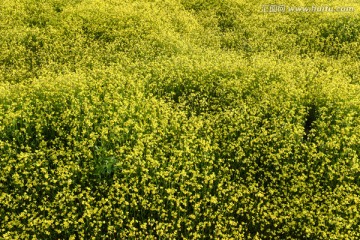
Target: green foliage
175 119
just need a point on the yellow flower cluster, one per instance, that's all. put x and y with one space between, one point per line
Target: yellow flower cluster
177 119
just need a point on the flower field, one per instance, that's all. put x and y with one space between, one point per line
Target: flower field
179 119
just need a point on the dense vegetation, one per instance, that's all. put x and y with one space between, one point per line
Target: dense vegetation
178 119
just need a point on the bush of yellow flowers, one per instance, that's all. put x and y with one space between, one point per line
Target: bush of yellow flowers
149 119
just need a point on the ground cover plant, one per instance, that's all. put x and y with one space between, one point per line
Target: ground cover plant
146 119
